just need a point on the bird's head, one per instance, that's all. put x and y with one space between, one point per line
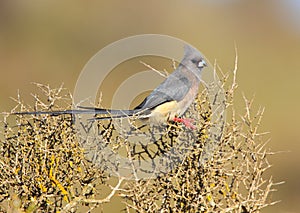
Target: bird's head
193 59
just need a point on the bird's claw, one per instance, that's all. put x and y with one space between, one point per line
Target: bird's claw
188 122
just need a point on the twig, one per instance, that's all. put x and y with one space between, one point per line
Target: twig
163 74
82 199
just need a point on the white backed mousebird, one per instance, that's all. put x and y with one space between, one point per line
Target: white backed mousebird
165 103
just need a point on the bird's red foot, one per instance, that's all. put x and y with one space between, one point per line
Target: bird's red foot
186 121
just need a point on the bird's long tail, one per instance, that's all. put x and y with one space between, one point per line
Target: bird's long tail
104 113
113 113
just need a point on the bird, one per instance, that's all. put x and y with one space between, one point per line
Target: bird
167 102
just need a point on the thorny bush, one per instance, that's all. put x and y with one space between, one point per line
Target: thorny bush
44 165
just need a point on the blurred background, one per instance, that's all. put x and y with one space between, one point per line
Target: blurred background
50 42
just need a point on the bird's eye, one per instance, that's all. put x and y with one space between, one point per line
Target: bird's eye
195 61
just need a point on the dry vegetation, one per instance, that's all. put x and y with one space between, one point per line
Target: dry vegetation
46 167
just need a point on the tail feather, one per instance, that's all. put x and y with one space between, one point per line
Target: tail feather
114 113
117 112
110 113
109 117
63 112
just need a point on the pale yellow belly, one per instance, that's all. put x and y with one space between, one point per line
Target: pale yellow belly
164 112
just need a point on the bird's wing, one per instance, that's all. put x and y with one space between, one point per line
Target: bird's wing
174 88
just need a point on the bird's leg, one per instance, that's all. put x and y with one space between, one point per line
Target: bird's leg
186 121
